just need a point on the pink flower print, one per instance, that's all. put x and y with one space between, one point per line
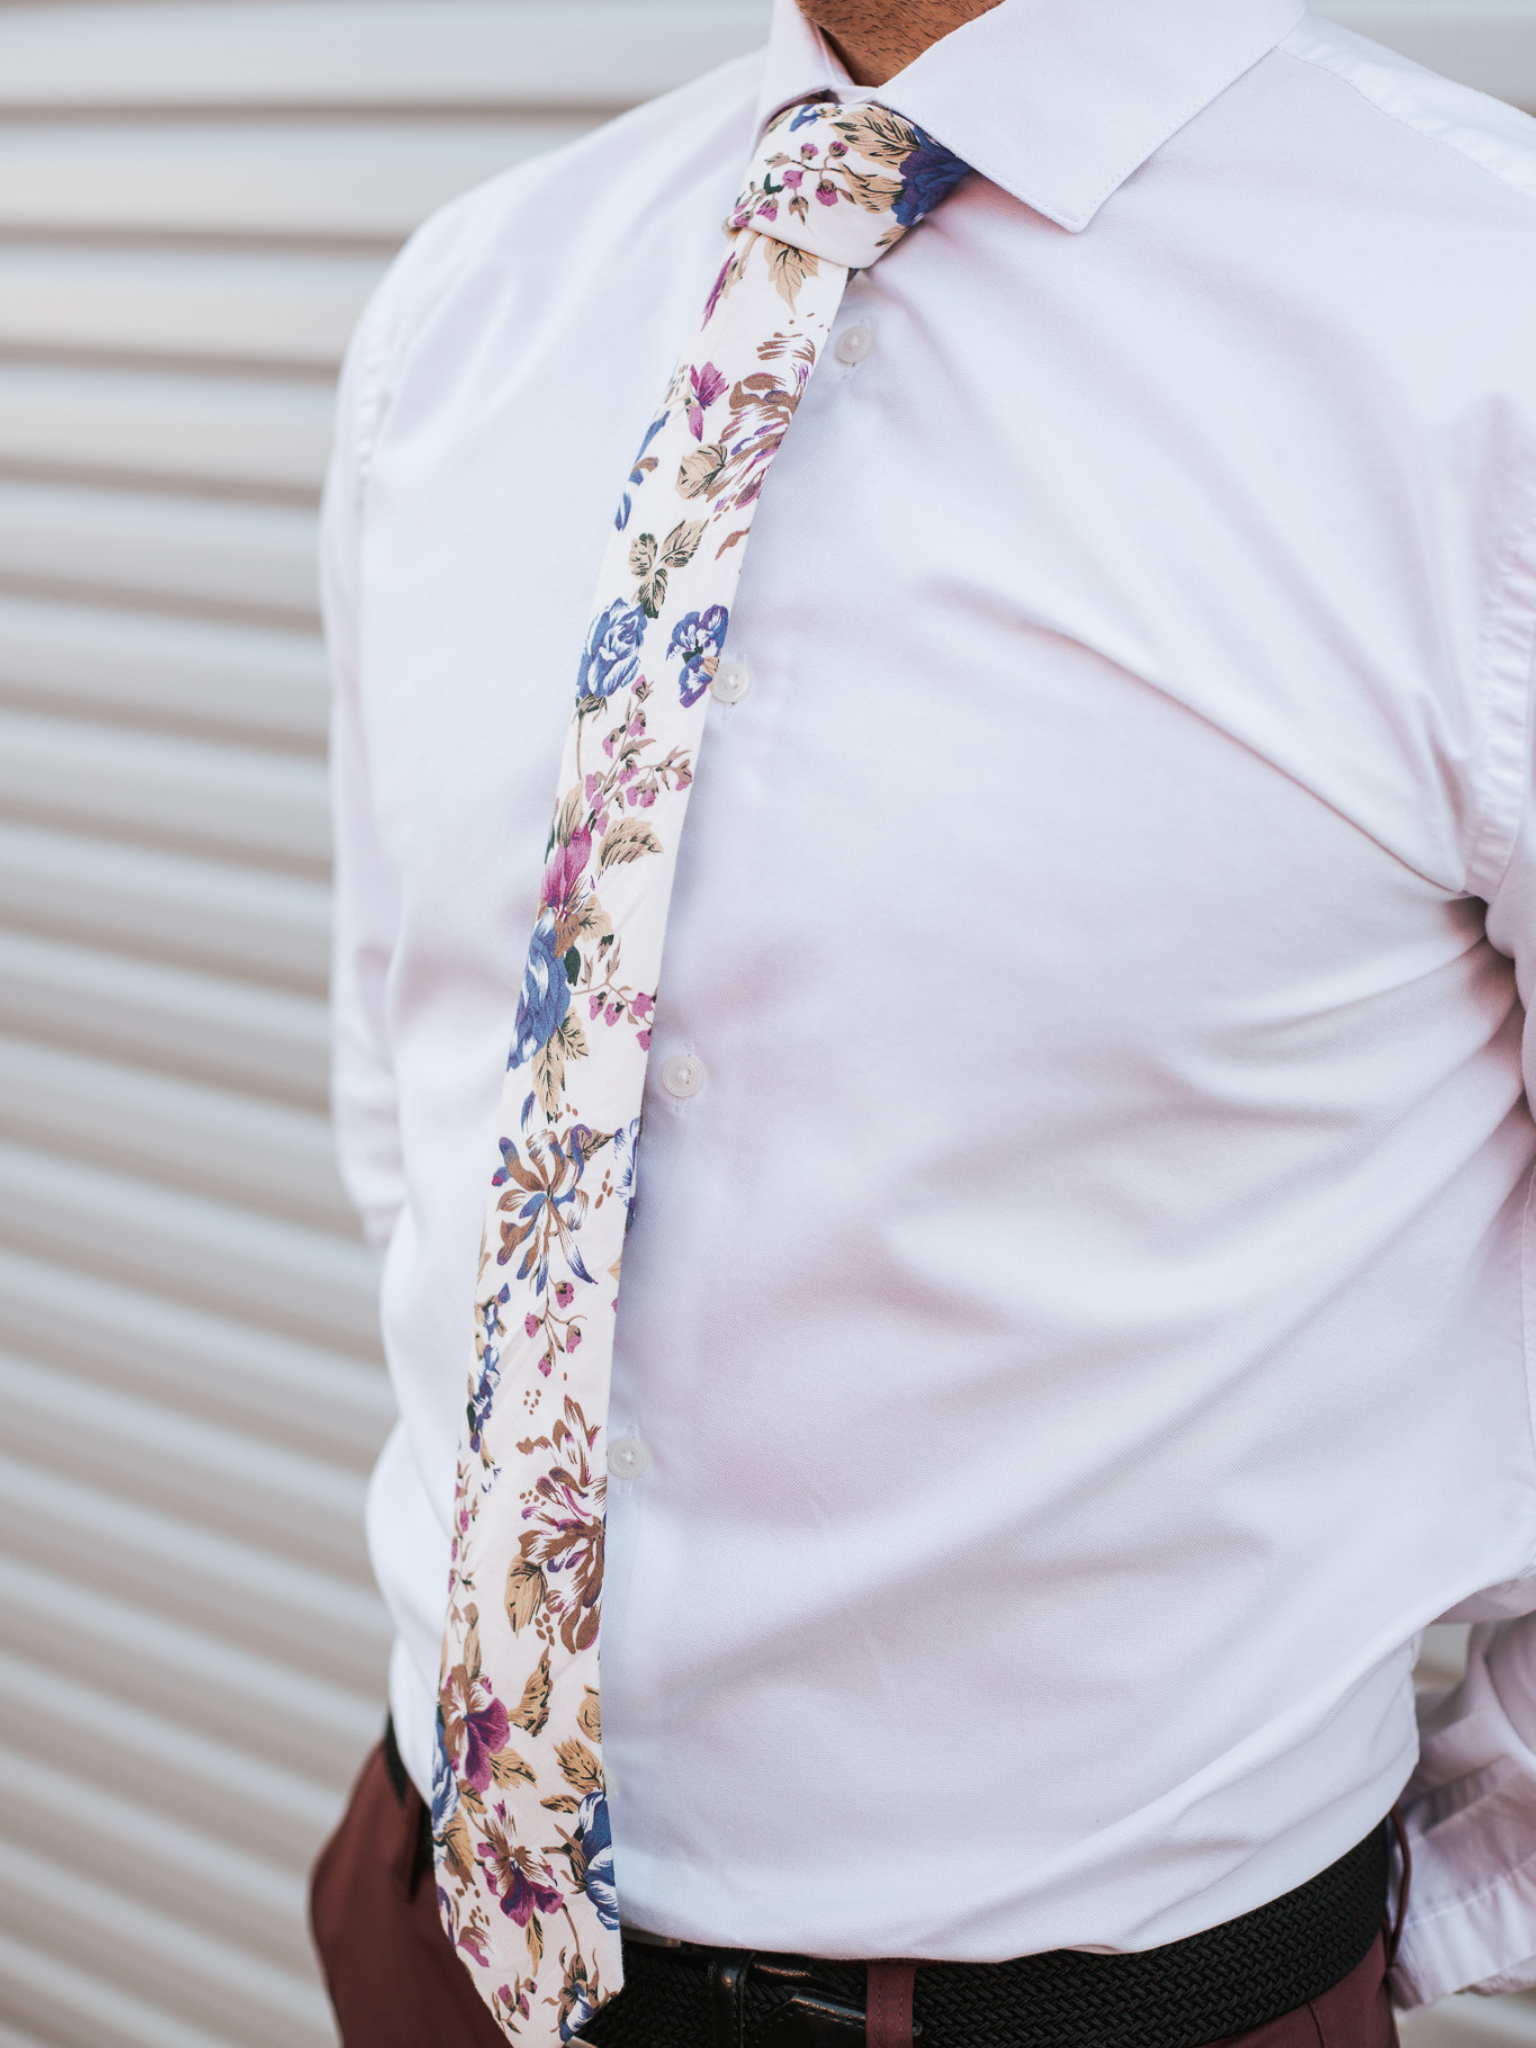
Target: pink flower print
611 1014
565 1293
546 1365
475 1724
642 1005
643 1040
769 210
531 1325
592 1009
826 193
562 877
794 178
807 150
572 1339
707 385
647 798
594 789
838 149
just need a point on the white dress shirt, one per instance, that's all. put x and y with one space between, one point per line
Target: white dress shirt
1071 1341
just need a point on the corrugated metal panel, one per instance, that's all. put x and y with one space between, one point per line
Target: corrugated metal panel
194 202
195 199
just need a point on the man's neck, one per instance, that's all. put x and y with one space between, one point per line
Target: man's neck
877 38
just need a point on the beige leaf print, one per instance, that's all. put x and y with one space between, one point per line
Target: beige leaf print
533 1711
588 1717
789 268
508 1768
875 195
628 840
879 136
699 468
526 1587
582 1769
548 1068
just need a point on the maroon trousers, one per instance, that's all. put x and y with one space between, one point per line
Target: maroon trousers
396 1983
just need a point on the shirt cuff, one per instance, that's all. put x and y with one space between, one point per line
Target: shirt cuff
1470 1814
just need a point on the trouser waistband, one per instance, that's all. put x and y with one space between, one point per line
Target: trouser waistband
1225 1981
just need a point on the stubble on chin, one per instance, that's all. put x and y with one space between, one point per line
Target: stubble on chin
890 31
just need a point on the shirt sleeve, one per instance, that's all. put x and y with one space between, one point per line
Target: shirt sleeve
366 903
1470 1814
1470 1807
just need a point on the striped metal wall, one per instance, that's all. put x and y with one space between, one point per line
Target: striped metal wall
195 199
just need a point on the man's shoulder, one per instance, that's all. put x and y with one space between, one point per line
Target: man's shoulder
1469 127
578 196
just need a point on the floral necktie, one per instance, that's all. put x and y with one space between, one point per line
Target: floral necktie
524 1861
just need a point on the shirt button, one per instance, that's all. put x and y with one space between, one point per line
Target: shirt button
627 1457
683 1075
732 681
853 344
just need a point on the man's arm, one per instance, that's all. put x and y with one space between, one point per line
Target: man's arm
366 911
1470 1807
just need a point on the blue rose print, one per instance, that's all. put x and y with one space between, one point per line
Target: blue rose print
546 994
696 638
445 1787
928 175
626 1142
577 2006
644 464
597 1850
611 659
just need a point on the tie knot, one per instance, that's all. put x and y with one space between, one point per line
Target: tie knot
844 183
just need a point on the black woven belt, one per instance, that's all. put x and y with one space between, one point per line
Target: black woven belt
1226 1981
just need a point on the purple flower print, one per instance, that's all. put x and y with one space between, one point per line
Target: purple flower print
564 889
826 193
524 1885
611 659
474 1722
706 386
698 638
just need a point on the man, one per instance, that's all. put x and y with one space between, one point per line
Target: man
1072 1334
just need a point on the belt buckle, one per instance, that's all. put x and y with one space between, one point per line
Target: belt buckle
810 2021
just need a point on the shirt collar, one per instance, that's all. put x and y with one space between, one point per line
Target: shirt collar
1057 101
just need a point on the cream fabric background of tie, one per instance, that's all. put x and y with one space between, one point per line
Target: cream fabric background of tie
194 200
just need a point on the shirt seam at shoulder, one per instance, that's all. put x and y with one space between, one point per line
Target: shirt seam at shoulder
1504 684
1431 129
